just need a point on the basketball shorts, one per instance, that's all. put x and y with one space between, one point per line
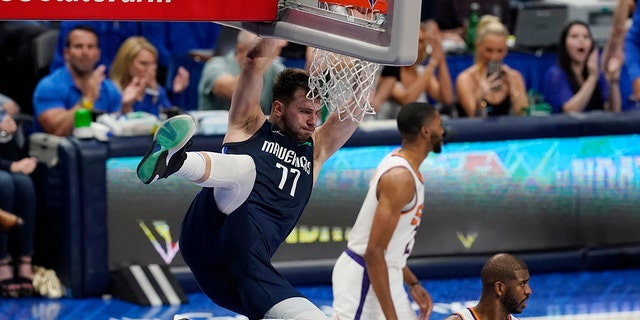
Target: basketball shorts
353 295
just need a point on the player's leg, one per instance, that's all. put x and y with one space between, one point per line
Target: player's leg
167 152
232 176
399 294
205 250
350 286
295 308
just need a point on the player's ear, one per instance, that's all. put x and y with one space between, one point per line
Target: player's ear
499 287
425 131
278 107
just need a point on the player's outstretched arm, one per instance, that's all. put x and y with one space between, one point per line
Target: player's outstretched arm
245 115
618 31
393 194
330 137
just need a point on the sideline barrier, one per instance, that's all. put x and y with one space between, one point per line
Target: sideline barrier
560 190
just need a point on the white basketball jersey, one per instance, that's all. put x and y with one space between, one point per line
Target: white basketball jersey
403 238
469 314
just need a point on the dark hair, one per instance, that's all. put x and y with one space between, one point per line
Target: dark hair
287 82
564 61
500 267
413 116
81 27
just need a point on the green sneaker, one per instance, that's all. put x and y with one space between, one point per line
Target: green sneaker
168 151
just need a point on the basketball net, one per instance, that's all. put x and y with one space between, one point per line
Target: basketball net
341 83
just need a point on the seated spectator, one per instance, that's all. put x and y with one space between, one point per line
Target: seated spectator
133 71
111 34
17 196
416 82
576 83
481 93
169 38
78 84
220 76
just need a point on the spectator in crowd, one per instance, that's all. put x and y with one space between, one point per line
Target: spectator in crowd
505 290
483 92
171 39
175 41
220 77
625 40
17 196
111 34
576 83
416 82
369 277
78 84
133 71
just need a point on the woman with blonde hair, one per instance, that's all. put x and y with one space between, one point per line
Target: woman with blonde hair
134 73
489 87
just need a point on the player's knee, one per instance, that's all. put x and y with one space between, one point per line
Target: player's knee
295 308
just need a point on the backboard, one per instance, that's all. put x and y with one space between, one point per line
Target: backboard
390 38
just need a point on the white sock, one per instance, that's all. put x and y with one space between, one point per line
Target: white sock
193 167
231 175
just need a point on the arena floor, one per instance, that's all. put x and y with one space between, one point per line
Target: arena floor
593 295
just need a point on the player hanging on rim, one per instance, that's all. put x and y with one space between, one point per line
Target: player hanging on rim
254 192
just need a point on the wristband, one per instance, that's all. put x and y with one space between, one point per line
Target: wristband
417 283
86 103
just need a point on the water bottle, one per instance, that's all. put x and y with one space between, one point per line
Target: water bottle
82 122
474 18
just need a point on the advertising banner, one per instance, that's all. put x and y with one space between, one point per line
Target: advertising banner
139 10
480 197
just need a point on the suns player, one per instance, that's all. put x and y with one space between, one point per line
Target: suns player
255 193
505 290
368 277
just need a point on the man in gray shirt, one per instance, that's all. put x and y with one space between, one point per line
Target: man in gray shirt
220 77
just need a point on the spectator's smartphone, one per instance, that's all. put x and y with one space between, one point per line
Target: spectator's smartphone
494 67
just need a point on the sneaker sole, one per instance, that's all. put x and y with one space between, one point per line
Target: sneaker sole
154 163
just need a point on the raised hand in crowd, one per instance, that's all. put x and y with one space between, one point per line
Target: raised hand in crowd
615 43
434 41
181 80
613 66
577 83
90 86
133 92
